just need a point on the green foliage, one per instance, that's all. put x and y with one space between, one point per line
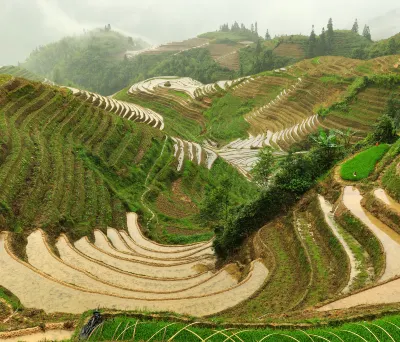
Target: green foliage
93 61
10 298
393 109
125 328
225 120
216 203
360 83
297 174
385 130
363 164
355 27
263 168
254 61
391 180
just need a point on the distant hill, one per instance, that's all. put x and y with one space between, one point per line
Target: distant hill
105 62
87 60
385 25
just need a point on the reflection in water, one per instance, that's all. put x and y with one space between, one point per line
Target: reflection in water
385 198
327 209
389 238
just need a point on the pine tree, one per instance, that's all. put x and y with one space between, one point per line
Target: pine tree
329 37
367 32
252 28
322 43
267 36
392 46
312 44
355 27
256 28
258 47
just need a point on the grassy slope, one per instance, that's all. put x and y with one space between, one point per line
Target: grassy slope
176 124
83 168
391 179
363 163
20 72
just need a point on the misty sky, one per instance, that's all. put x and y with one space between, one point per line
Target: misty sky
26 24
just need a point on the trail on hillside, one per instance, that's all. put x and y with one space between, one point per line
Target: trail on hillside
142 199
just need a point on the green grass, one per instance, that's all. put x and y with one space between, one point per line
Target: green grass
180 94
391 180
10 298
225 118
363 163
123 328
176 124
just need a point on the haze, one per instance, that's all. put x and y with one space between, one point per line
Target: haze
28 24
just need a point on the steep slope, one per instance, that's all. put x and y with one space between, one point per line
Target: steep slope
87 60
84 159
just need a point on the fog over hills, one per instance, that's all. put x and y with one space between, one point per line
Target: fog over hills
158 21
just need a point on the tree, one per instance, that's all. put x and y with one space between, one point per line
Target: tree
216 202
385 131
267 36
392 46
392 109
312 43
263 168
258 47
256 28
355 27
322 43
345 136
329 36
252 28
367 32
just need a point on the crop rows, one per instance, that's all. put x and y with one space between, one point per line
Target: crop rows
124 271
194 152
126 110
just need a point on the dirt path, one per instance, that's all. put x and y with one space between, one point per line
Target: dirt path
354 271
389 238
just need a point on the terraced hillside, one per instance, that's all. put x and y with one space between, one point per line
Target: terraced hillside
108 157
278 109
131 273
144 202
21 72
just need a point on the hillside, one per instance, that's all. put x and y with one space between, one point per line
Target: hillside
257 201
293 263
87 60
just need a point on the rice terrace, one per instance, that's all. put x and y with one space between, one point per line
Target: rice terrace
230 185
